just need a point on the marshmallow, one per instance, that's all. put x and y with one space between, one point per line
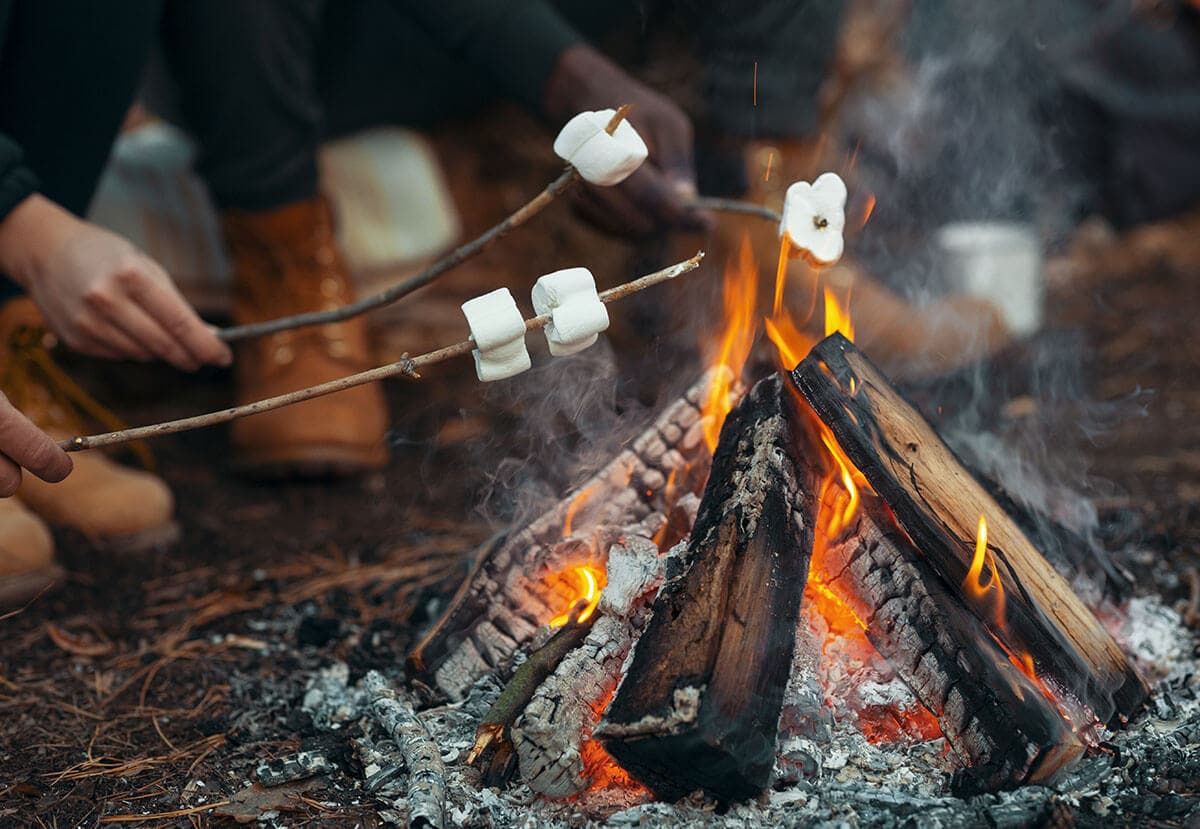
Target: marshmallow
499 333
577 316
814 216
599 157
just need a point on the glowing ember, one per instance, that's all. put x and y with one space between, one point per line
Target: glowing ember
604 773
584 582
737 338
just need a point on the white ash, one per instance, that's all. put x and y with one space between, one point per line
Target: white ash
329 699
1156 637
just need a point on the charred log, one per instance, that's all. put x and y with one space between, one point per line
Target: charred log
1000 726
699 707
938 503
505 597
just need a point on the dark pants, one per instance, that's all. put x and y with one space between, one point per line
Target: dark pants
68 73
261 84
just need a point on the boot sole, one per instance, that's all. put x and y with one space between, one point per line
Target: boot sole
154 538
310 462
19 589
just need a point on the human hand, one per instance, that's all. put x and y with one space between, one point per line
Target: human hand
659 195
99 293
23 444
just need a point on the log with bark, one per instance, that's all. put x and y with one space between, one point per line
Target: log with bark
1001 728
939 504
699 707
509 592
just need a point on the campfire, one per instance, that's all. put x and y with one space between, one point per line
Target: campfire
774 551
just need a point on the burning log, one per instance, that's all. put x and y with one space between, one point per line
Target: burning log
1029 608
427 773
551 735
699 708
506 597
997 721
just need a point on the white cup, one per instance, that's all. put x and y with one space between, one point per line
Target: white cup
1000 262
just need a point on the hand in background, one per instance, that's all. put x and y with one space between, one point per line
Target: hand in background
658 195
24 445
101 294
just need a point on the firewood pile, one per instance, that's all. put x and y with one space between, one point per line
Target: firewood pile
765 628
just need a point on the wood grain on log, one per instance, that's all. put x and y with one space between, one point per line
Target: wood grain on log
509 593
938 503
699 707
1000 726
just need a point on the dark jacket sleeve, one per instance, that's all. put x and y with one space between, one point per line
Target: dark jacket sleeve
16 180
516 42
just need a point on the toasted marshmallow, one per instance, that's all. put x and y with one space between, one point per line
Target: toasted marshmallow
814 216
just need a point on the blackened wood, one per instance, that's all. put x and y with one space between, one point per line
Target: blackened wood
699 707
1001 728
938 502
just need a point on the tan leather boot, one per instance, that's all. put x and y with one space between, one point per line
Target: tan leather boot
285 262
26 555
116 507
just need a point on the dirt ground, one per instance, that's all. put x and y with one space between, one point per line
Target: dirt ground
127 690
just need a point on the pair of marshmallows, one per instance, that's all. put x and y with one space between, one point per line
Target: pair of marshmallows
600 158
814 216
577 316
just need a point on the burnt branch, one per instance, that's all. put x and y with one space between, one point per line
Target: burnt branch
427 773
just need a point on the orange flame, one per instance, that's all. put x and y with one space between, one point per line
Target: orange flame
578 501
737 338
973 583
838 521
868 209
584 583
992 592
837 316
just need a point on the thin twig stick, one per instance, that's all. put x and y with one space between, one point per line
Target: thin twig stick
405 367
456 257
735 206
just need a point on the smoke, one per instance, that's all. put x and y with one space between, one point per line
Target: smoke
985 125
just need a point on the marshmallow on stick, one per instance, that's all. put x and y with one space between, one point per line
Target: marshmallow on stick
600 158
577 316
498 330
814 216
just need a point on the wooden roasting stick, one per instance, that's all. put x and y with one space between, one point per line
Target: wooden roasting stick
700 704
939 503
456 257
406 367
